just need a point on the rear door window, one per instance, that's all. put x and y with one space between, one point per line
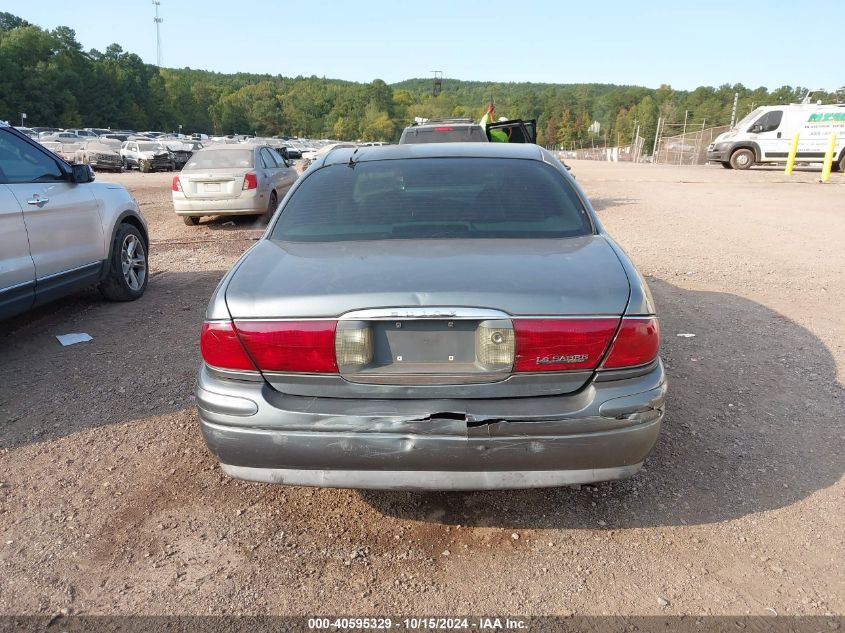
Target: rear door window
433 198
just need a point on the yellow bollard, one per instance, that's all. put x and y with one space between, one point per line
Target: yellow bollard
790 162
828 158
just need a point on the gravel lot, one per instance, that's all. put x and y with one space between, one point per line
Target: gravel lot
110 503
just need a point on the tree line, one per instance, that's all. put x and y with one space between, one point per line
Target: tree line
48 75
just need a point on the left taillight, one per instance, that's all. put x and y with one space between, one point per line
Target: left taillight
221 347
290 346
176 185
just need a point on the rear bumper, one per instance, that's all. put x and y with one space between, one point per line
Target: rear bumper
428 479
242 205
260 435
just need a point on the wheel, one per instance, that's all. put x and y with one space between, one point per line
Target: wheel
190 220
127 276
274 202
841 163
726 165
742 159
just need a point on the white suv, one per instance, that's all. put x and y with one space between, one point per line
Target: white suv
61 232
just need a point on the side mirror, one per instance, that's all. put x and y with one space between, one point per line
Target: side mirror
81 174
756 129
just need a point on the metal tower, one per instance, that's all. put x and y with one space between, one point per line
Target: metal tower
158 22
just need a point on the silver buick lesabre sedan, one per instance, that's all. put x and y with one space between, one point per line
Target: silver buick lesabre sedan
447 316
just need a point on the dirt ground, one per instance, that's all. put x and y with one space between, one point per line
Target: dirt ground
110 503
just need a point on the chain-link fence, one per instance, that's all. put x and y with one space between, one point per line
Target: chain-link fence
626 153
687 148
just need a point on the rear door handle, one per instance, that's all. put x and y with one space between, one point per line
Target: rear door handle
38 200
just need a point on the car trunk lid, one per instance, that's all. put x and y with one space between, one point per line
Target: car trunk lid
428 307
212 183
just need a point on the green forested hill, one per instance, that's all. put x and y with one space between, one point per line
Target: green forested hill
48 75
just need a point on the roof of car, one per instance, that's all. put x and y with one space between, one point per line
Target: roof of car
432 150
232 146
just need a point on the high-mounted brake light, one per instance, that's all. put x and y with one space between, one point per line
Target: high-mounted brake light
636 344
221 348
250 181
444 129
176 185
294 346
561 344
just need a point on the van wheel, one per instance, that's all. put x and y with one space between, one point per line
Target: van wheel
841 163
190 220
726 165
127 276
742 159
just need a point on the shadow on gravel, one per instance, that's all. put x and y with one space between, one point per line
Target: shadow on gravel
236 222
142 359
600 204
753 424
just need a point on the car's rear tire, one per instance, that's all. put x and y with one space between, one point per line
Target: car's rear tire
128 269
841 163
271 206
726 165
742 159
191 220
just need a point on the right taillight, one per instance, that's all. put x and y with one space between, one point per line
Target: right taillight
561 344
637 343
250 181
176 185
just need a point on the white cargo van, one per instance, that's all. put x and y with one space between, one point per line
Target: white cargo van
765 136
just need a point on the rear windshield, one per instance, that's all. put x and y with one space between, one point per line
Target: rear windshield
221 159
444 134
433 198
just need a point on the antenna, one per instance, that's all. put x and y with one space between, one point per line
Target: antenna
438 82
158 22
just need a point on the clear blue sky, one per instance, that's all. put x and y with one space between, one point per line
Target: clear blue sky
685 44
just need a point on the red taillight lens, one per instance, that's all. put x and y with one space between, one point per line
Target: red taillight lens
221 348
443 129
298 346
637 343
176 185
250 181
561 344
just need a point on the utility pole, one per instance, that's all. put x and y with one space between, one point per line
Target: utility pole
733 111
656 136
158 22
683 138
23 118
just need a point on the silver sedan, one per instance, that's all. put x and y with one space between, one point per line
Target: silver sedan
443 316
231 180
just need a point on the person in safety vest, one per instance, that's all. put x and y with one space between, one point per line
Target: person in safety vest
496 136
